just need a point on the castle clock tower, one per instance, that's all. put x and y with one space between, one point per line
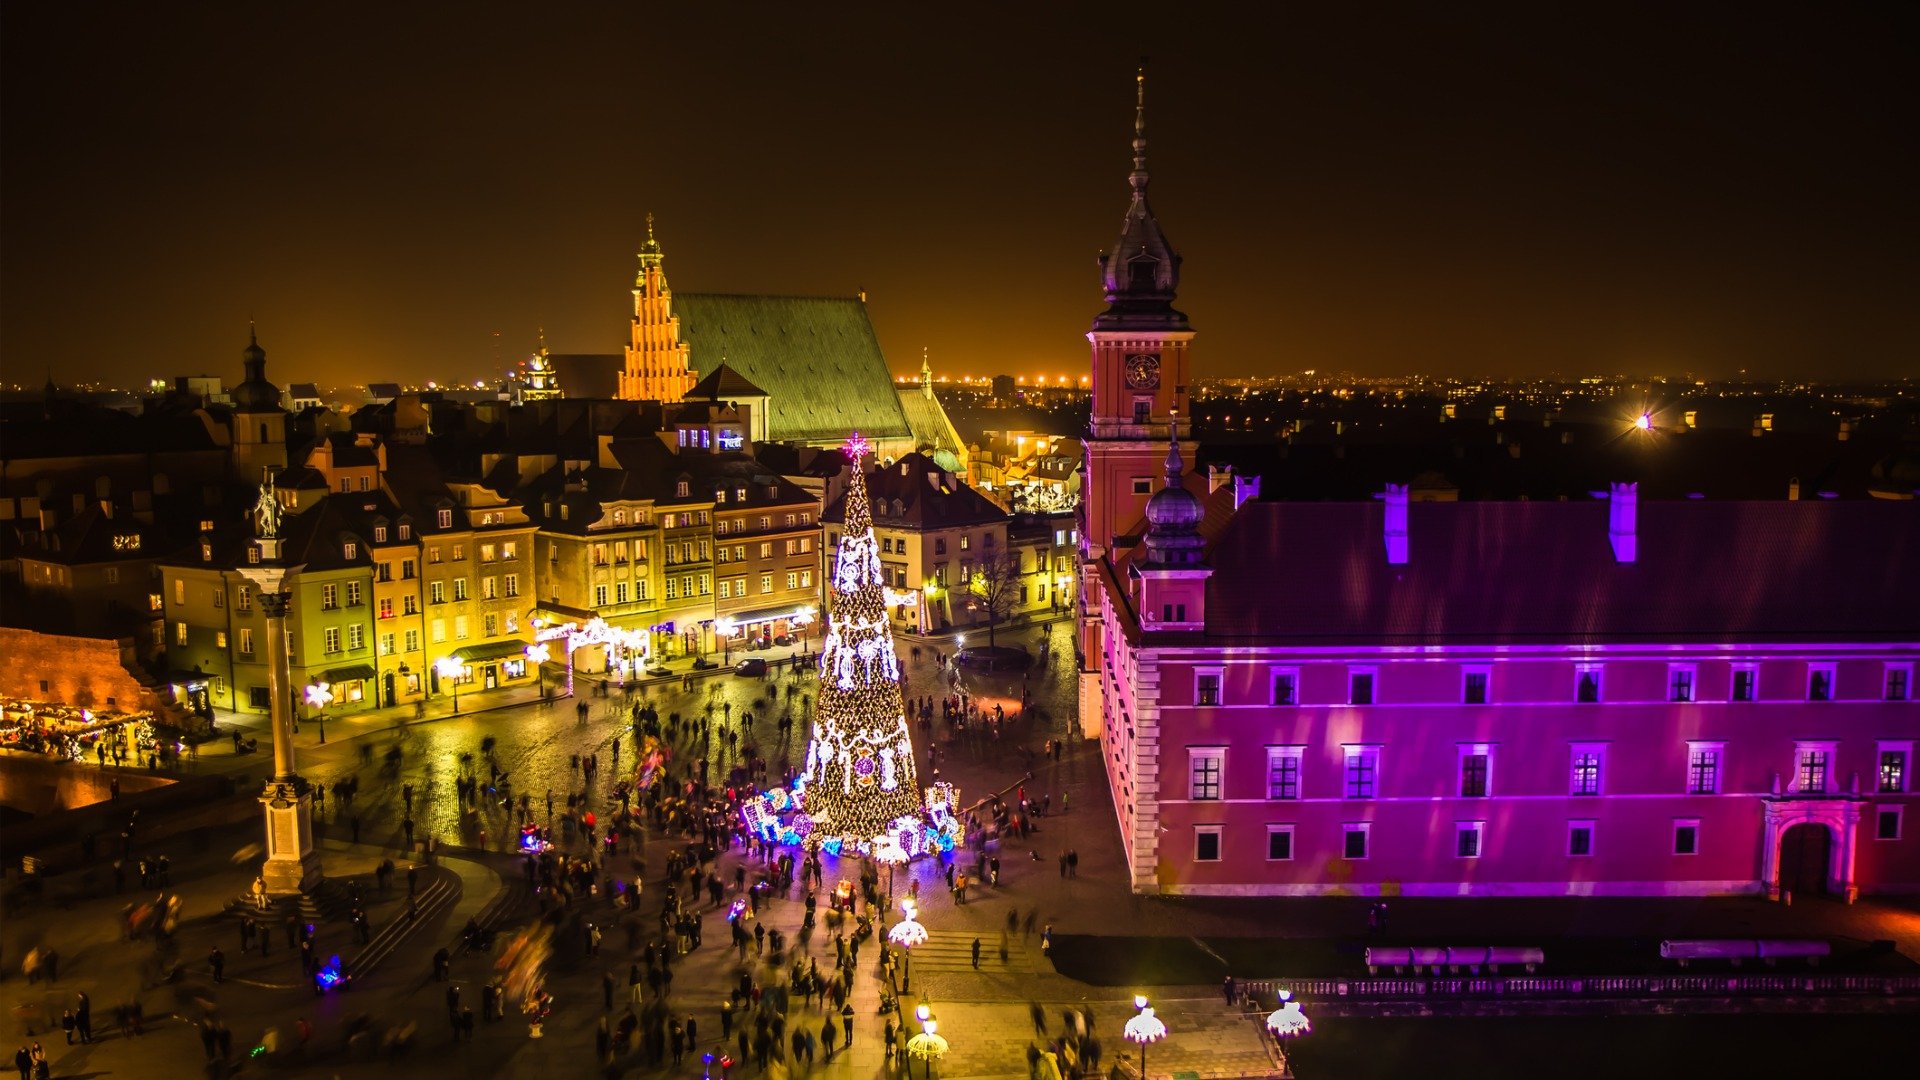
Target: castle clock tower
1140 365
1140 377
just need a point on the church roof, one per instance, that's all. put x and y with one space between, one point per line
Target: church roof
723 384
929 422
816 357
914 493
1500 572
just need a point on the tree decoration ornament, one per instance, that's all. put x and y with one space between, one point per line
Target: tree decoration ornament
860 777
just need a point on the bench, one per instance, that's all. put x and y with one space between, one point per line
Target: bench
1810 951
1395 958
1471 957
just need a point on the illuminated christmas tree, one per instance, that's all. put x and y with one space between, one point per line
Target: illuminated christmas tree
859 779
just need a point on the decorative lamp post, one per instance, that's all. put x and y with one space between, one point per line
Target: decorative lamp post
892 855
319 696
1144 1028
451 669
1287 1022
537 656
907 933
928 1045
725 628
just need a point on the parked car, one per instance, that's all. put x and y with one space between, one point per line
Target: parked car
752 666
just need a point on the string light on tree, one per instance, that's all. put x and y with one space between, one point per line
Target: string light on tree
859 778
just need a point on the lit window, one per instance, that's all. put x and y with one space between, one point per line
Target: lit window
1587 758
1362 772
1206 689
1206 765
333 639
1811 762
444 519
1893 768
1283 771
1703 767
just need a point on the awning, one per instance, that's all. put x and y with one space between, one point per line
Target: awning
553 612
745 618
492 650
347 674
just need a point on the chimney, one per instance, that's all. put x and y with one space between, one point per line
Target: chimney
1793 490
1396 524
1218 476
1623 513
1245 490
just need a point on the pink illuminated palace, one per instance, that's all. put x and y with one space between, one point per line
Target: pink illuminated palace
1609 697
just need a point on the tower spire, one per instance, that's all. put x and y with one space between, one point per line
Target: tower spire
650 253
1139 177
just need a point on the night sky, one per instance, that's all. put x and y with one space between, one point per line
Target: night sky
1425 190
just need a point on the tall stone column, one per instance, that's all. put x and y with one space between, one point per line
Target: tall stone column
293 866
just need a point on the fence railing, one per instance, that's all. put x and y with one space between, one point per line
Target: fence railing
1572 986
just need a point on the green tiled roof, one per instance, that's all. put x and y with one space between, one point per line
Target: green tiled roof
815 356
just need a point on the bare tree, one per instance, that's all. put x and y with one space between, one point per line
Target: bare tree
995 588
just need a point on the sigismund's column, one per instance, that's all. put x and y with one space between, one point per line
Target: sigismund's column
293 866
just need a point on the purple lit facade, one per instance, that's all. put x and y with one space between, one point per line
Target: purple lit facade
1605 697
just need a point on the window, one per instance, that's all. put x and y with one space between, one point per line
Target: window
1811 762
409 605
350 550
1142 485
379 534
1686 837
1899 678
1819 682
680 489
599 596
353 594
439 629
459 588
1703 767
356 637
1587 760
444 518
706 584
1745 678
1354 839
766 583
1893 768
1586 684
113 575
1680 682
492 624
673 588
179 590
1143 410
1286 686
1279 843
806 579
1173 613
513 584
219 596
246 598
793 579
1206 688
406 531
1473 686
459 553
1466 838
966 542
1206 843
1205 765
386 644
1363 772
726 589
433 553
333 639
180 633
1886 823
436 592
329 597
1579 838
1283 771
246 641
1360 686
413 641
489 588
459 628
406 569
766 550
1476 765
620 589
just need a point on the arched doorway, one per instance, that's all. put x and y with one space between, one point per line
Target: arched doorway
1806 851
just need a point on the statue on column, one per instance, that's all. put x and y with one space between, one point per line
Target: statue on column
266 512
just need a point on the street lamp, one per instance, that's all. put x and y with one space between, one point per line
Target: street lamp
725 627
451 668
907 933
1287 1023
537 656
927 1045
319 696
893 855
1144 1028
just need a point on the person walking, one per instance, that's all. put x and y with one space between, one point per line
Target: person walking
1228 989
218 960
846 1023
827 1035
83 1016
976 954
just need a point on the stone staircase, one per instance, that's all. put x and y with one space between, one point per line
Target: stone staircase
326 902
951 951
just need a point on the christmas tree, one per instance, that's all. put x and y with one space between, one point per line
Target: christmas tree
859 780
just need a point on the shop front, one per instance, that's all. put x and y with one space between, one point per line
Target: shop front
765 629
495 663
350 688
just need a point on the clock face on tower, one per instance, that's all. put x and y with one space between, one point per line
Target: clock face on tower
1143 371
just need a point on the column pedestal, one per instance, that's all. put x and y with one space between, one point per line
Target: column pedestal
292 865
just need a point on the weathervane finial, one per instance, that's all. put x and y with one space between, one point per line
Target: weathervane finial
1139 177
